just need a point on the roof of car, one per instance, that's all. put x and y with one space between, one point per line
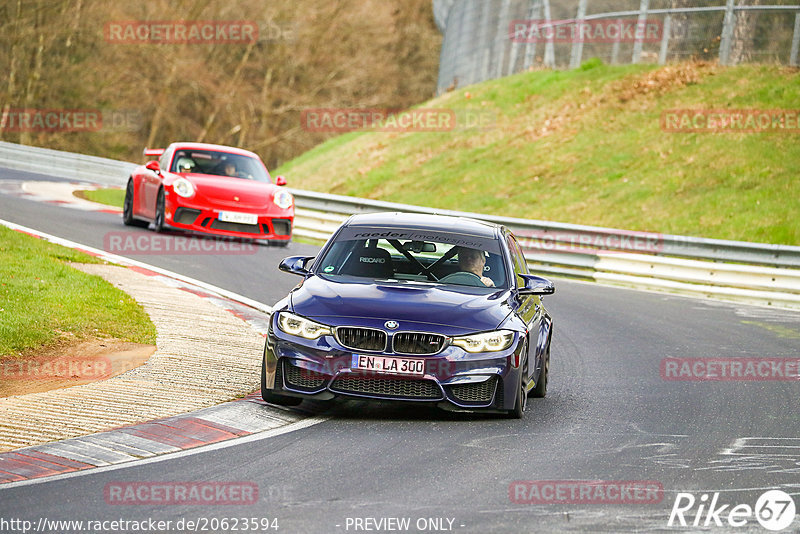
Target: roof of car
218 148
423 221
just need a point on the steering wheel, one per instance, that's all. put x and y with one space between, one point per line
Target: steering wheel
463 278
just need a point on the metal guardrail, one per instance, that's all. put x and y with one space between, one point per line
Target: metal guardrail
756 273
64 164
574 239
730 270
479 42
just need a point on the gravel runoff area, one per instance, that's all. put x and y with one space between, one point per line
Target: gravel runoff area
205 355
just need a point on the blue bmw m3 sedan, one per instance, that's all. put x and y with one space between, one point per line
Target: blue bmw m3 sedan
414 308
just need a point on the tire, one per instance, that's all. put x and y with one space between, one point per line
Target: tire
540 391
158 221
271 397
521 401
127 208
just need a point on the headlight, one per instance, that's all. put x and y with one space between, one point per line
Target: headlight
183 187
300 326
486 342
283 199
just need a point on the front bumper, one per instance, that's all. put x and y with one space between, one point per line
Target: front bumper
453 379
182 213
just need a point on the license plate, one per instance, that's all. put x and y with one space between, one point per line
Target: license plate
238 217
399 366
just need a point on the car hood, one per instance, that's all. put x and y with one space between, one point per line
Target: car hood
220 191
451 311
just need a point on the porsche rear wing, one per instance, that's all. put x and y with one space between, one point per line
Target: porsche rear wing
153 152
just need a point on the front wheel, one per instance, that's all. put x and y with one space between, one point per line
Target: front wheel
127 208
521 401
272 398
158 222
540 391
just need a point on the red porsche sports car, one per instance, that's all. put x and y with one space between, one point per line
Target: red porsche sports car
212 189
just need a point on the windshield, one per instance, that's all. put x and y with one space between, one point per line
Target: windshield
219 164
438 258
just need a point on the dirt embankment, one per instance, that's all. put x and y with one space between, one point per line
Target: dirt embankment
70 362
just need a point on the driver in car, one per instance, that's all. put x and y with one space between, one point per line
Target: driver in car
230 169
472 260
185 165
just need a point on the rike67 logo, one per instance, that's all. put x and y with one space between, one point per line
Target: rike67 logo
774 510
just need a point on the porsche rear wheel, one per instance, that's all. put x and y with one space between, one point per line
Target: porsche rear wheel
127 208
158 222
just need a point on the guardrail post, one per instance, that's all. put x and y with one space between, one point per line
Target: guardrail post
727 34
512 59
447 61
795 41
549 53
501 39
480 57
615 47
665 29
514 44
644 5
577 43
534 14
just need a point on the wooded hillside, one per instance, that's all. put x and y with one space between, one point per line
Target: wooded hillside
60 55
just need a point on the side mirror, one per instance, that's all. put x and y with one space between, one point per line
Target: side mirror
536 285
295 265
280 180
153 166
